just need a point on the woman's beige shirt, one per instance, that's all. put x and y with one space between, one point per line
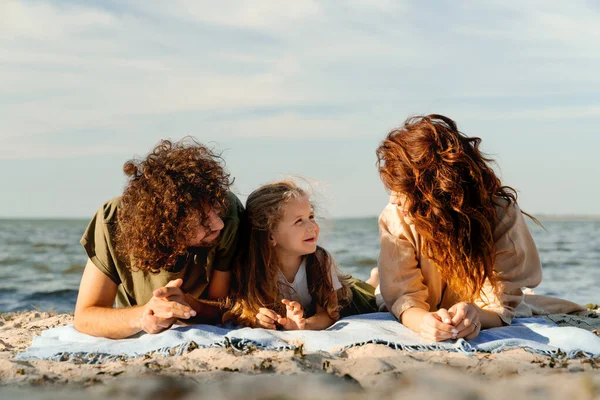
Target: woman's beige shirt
409 279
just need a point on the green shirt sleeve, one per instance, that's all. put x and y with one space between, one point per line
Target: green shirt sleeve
98 239
227 247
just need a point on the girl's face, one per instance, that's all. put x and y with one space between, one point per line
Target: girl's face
297 233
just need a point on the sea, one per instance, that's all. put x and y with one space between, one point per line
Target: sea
41 261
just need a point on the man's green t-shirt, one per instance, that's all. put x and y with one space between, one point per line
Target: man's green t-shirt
136 287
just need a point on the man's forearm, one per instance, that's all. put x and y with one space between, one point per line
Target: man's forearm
206 313
112 323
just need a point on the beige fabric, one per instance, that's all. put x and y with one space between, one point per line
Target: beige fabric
409 279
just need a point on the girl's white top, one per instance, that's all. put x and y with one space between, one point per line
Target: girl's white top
297 290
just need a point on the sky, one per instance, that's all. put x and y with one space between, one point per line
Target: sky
303 88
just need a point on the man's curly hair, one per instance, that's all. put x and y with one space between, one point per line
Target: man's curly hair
168 194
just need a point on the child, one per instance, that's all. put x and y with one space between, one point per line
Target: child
285 279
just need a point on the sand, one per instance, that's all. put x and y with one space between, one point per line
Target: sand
370 371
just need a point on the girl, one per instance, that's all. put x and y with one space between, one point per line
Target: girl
285 279
455 248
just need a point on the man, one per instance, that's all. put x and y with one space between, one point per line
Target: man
164 249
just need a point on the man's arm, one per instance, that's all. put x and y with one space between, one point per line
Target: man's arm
207 311
218 288
95 315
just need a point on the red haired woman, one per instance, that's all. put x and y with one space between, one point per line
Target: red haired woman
455 249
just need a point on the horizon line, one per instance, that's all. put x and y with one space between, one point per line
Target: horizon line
543 216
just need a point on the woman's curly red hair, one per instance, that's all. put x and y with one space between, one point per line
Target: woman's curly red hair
168 194
451 193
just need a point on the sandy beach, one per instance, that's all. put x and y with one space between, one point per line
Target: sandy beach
370 371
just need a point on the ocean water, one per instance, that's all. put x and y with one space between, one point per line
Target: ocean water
41 261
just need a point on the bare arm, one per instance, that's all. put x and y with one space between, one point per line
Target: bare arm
94 312
95 315
206 312
321 320
218 288
210 311
489 319
412 318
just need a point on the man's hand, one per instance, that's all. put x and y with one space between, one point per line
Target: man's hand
172 292
165 307
294 319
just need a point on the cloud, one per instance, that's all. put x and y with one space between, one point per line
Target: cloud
128 69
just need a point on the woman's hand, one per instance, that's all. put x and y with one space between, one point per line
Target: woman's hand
466 319
437 326
294 319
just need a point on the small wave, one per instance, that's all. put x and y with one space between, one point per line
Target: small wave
559 264
61 294
17 242
58 300
342 251
42 245
41 267
11 260
365 262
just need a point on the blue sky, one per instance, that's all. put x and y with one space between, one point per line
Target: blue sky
305 88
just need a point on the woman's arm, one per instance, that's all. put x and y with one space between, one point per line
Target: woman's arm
517 265
400 278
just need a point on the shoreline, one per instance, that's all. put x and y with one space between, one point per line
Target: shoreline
374 371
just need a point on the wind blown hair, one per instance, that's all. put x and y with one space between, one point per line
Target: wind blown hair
451 194
255 282
167 196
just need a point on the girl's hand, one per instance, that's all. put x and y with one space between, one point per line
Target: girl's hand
437 326
294 319
465 317
266 318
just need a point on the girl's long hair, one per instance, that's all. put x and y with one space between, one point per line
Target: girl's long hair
255 282
451 193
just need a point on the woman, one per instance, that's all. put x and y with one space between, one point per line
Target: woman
455 248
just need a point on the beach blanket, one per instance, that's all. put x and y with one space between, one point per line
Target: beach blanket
537 335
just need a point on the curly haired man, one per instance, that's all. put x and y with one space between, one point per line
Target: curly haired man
162 251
